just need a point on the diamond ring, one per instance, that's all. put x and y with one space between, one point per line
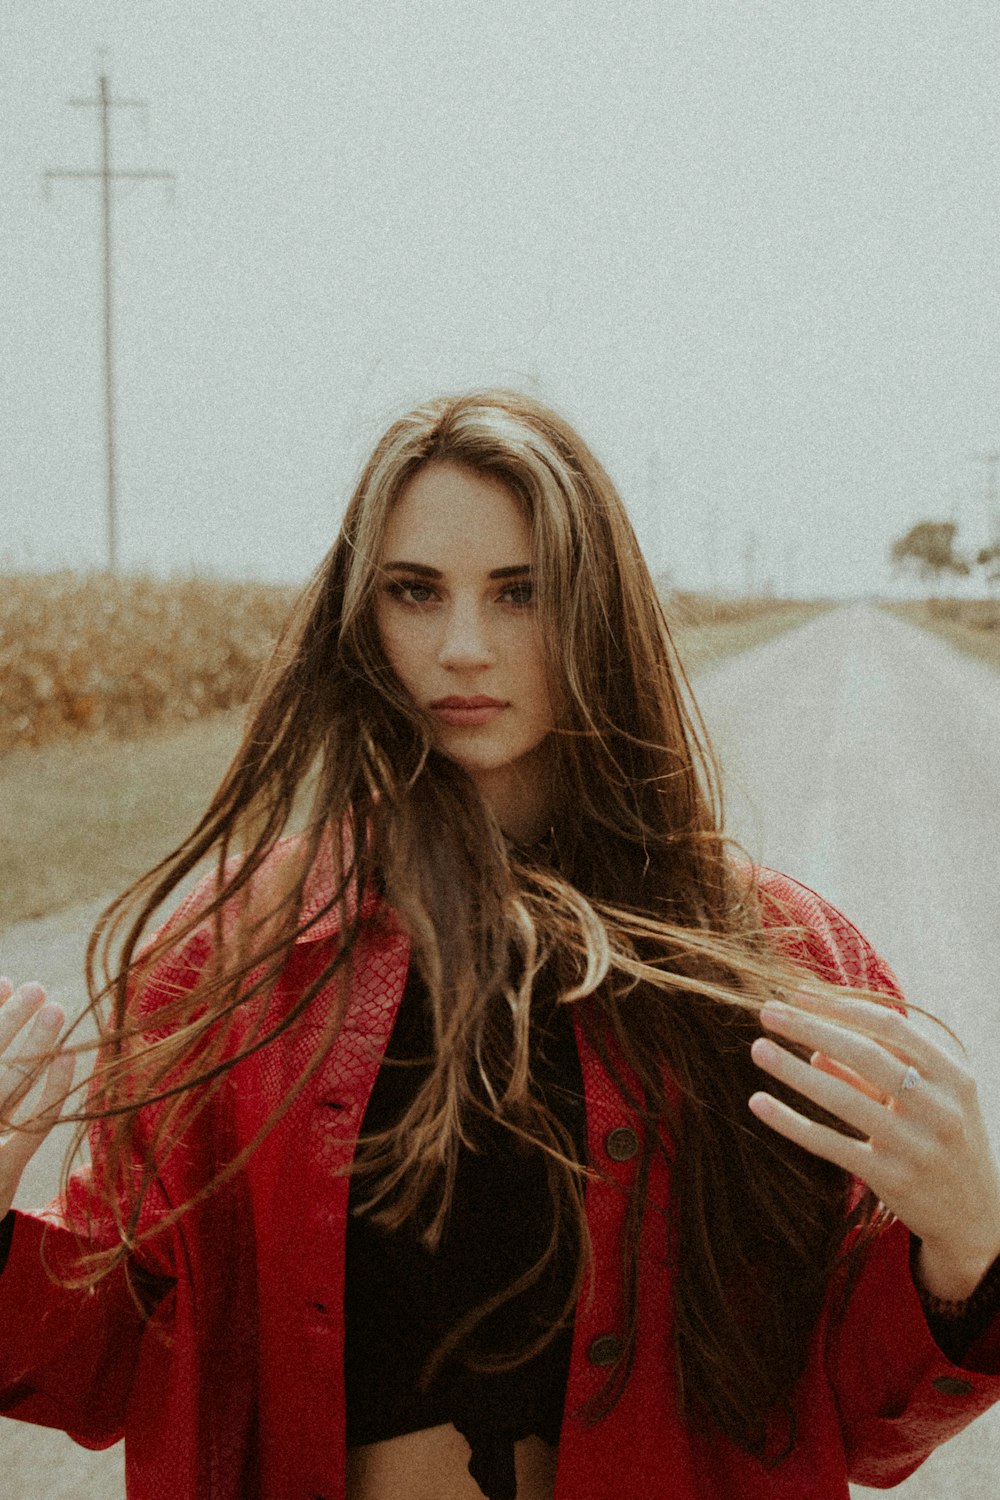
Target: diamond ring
910 1078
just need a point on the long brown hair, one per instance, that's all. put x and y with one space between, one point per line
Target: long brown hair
635 910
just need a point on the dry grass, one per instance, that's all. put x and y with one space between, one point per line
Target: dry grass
80 818
686 610
85 654
725 628
973 625
92 796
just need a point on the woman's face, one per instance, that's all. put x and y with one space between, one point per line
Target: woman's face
458 624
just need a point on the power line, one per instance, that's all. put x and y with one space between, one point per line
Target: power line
106 175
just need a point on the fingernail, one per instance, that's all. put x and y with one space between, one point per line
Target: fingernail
32 991
50 1014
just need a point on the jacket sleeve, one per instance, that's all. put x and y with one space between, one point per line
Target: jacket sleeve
88 1362
898 1394
68 1356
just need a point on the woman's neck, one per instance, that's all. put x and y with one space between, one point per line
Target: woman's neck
520 795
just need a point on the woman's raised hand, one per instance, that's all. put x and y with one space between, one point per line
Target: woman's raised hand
27 1007
926 1152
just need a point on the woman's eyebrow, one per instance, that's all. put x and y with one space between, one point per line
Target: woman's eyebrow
517 571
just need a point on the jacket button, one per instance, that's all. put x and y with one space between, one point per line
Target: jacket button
621 1144
951 1385
605 1349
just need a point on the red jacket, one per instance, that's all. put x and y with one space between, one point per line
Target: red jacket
234 1388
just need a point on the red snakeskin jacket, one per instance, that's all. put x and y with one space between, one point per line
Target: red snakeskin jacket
234 1387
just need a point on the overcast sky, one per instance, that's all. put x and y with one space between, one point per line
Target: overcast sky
749 249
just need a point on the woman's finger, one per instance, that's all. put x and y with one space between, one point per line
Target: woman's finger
17 1148
846 1075
854 1156
20 1071
863 1110
16 1008
864 1107
882 1058
886 1021
58 1083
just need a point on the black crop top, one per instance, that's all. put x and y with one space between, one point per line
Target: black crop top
401 1299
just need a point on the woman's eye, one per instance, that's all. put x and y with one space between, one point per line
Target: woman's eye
409 592
519 593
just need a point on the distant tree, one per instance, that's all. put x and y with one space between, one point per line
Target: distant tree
989 558
930 547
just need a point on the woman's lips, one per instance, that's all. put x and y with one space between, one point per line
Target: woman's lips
467 712
468 716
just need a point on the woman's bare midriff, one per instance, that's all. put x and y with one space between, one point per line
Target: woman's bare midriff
433 1464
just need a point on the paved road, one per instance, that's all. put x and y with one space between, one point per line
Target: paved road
861 757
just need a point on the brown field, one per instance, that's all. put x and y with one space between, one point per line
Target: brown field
84 654
706 629
973 625
117 731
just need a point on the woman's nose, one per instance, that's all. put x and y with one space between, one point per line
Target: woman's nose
465 643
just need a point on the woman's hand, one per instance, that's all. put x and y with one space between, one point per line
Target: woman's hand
926 1153
17 1147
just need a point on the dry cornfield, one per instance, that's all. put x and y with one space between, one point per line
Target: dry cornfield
686 610
124 656
86 653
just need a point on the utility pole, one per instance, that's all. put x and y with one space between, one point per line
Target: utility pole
106 175
712 539
992 494
750 563
790 567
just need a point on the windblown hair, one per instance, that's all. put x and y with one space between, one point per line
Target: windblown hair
636 911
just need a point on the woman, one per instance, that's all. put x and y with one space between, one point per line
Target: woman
600 1237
